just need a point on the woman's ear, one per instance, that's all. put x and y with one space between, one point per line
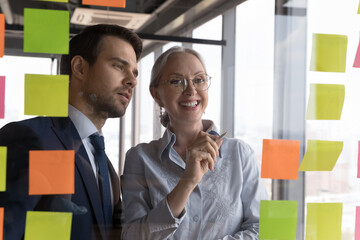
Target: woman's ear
155 94
79 67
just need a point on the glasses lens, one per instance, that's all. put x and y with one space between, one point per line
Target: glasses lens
201 82
177 83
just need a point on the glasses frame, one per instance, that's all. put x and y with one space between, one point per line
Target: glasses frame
186 82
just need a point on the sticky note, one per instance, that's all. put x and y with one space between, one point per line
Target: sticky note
358 12
2 34
1 223
358 165
46 31
323 221
278 220
46 95
2 96
328 53
357 224
325 102
64 1
51 172
321 155
106 3
3 159
280 159
48 225
357 57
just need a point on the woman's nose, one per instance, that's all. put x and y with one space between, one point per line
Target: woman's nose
190 88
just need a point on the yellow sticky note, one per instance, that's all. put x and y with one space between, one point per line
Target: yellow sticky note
321 155
48 225
3 169
325 102
358 12
323 221
328 53
46 95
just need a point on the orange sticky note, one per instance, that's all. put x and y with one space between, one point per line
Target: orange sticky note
1 223
280 159
106 3
51 172
2 34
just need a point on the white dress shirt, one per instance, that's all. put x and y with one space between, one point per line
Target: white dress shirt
85 128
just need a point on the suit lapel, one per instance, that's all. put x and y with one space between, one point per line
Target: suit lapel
68 135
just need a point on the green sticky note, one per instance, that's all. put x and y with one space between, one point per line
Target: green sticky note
325 102
46 95
328 53
278 220
2 169
323 221
48 225
321 155
46 31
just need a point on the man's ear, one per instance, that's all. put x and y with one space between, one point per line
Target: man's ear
79 67
156 97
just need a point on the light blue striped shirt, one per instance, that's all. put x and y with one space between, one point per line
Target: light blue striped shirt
224 205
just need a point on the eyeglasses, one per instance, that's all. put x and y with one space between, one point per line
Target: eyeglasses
179 83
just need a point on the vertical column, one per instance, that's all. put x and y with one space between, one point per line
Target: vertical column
290 96
135 118
156 109
121 145
228 73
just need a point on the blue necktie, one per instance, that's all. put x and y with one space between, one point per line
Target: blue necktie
103 177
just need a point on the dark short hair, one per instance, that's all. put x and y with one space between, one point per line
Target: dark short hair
86 44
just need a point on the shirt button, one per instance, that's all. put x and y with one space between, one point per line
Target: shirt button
196 218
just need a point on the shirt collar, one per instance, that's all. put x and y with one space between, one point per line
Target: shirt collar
83 125
168 139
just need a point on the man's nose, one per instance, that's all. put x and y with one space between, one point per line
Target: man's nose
130 80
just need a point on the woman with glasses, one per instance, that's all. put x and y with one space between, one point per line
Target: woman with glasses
191 183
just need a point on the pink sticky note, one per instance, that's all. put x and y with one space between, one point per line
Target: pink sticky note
357 224
2 96
358 173
357 57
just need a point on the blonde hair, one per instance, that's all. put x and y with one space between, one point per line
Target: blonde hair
158 69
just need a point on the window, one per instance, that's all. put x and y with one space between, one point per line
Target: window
254 74
14 69
341 184
212 58
146 100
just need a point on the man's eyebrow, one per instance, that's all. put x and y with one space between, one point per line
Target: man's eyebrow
126 63
123 61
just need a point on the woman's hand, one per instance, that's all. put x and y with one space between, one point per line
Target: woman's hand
200 157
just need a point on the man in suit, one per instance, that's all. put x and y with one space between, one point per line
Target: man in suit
102 65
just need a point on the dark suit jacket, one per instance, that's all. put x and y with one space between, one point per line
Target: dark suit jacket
46 133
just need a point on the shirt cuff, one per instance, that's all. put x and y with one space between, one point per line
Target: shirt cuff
162 219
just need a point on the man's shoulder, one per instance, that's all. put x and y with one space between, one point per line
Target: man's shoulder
32 126
40 122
